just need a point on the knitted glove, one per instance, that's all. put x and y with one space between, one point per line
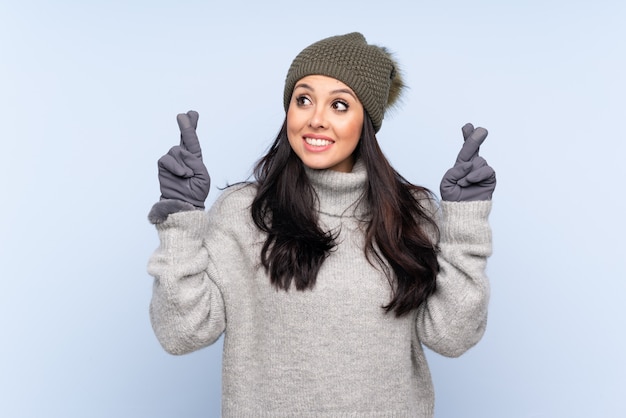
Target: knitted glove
471 178
182 174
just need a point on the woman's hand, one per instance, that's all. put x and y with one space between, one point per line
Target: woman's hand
182 174
471 178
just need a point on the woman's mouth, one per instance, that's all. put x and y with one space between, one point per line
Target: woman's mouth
318 142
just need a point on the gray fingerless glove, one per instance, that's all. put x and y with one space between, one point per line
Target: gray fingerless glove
471 178
182 174
183 177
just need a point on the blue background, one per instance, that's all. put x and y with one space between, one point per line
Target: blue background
89 93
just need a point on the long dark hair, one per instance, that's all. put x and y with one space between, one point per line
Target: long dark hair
396 234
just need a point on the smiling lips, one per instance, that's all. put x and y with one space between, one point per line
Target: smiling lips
318 142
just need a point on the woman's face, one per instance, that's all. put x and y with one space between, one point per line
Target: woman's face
324 123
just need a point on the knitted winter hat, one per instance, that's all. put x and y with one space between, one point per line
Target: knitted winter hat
369 70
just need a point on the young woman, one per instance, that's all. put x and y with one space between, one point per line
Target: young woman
330 271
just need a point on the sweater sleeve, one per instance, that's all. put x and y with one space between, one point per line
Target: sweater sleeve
454 318
187 307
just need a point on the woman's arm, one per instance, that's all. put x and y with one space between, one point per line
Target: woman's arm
454 318
187 308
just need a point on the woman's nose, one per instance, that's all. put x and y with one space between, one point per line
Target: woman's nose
318 118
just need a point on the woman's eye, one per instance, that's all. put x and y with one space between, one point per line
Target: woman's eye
340 106
302 101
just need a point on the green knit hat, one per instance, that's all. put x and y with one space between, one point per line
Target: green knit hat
369 70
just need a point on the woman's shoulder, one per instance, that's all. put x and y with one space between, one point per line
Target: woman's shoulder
427 200
234 199
231 210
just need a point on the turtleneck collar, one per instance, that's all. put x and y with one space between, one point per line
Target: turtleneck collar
339 192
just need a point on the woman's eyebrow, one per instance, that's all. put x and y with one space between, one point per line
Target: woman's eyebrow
307 87
344 91
304 86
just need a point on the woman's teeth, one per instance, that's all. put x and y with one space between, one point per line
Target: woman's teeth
317 142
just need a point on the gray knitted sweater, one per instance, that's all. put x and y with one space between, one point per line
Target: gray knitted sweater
326 352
